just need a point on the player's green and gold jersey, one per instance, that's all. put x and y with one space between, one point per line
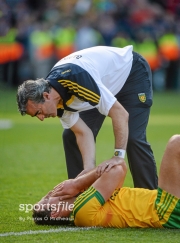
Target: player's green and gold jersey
168 209
127 207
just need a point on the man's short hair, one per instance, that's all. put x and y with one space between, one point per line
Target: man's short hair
31 90
43 217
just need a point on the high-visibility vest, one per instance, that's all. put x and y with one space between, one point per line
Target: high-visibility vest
149 51
64 39
42 44
122 42
168 47
10 50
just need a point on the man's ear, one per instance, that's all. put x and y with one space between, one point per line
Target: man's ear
46 95
55 214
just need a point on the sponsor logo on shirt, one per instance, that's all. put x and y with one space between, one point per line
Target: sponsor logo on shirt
67 71
113 196
74 56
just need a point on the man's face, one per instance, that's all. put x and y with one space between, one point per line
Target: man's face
42 110
58 208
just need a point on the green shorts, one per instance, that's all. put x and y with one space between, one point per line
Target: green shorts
168 209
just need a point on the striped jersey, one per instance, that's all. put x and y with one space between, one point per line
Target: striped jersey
127 207
90 78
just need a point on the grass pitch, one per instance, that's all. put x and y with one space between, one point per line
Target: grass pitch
32 162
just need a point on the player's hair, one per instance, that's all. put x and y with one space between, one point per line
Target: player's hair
44 218
31 90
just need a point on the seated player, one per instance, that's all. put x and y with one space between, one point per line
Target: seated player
107 204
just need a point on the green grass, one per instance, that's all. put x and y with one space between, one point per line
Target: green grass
32 162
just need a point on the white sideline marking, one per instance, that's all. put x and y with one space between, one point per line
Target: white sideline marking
5 124
34 232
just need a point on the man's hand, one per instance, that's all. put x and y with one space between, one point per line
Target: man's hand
108 164
65 190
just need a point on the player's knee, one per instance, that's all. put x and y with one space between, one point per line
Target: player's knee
124 167
174 143
175 139
121 169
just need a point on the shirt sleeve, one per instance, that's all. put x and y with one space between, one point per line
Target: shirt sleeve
81 84
87 208
74 80
106 101
69 119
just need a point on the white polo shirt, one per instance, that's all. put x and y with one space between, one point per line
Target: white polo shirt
90 78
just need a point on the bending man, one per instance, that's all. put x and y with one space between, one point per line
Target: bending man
85 87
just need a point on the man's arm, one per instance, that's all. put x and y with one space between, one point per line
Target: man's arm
85 139
105 183
72 187
119 118
86 144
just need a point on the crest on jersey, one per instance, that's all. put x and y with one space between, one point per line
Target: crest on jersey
142 97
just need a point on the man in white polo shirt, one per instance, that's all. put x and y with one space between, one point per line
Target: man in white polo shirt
85 87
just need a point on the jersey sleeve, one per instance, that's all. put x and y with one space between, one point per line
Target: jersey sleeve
87 208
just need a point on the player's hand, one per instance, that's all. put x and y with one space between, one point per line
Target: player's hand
43 200
108 164
65 190
84 172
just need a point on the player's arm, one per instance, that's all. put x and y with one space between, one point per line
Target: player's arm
86 144
70 188
111 179
106 182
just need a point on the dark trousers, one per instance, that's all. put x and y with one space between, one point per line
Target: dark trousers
140 156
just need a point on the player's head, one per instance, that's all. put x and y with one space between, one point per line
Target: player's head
52 211
31 90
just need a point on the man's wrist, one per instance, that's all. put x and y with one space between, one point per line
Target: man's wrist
120 153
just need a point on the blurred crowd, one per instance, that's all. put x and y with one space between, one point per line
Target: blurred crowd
36 34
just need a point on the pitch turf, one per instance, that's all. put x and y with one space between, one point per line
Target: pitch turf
32 162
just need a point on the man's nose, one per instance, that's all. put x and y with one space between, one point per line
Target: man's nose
40 117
